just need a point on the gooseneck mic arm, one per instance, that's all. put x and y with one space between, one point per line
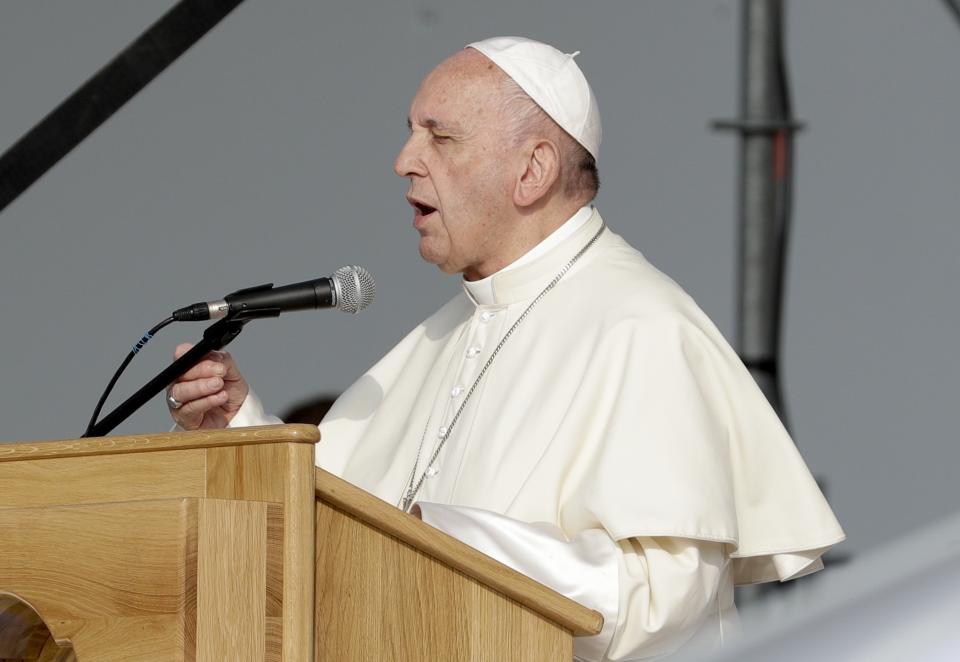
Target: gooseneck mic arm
350 289
215 337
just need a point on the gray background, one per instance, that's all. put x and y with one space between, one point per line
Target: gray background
264 154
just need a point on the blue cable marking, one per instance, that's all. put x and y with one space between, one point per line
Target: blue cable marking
143 341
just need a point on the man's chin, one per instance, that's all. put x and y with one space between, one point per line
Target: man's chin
428 253
438 261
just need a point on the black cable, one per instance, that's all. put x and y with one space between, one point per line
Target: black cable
144 339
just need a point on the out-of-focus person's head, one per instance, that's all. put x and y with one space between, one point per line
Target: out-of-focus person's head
310 411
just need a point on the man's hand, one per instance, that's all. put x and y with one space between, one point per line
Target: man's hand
210 392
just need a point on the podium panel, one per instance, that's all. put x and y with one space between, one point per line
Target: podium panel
379 598
229 545
392 588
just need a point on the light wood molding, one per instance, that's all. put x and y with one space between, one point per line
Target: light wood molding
364 506
299 544
268 434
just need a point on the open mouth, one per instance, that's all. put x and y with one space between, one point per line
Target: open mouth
421 212
422 209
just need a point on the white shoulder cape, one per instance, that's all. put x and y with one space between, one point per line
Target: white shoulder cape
616 404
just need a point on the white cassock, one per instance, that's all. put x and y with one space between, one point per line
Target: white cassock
616 449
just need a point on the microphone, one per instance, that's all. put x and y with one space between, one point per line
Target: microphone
349 289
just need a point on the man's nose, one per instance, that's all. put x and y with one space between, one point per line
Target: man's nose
407 163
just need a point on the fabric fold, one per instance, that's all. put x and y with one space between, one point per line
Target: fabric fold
584 569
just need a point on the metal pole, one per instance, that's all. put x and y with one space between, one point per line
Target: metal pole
766 129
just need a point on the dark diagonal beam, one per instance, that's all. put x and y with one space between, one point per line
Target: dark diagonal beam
106 92
953 6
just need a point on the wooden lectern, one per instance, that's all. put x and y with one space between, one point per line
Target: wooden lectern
229 545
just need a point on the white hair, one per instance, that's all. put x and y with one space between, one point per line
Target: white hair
578 168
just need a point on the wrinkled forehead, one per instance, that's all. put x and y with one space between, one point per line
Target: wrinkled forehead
465 84
466 64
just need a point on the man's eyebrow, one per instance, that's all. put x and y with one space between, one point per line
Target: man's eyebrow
432 123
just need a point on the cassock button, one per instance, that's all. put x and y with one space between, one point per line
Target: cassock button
432 471
455 391
486 316
473 352
442 432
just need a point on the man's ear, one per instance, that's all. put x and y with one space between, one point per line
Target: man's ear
540 172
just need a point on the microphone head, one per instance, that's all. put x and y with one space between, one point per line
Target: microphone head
354 287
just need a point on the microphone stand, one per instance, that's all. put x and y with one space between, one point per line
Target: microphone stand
215 337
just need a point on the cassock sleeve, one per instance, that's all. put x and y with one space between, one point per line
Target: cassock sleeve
654 593
251 413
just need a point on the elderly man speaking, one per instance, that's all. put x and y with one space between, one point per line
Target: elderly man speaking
572 412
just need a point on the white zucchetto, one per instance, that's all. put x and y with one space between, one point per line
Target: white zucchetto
553 80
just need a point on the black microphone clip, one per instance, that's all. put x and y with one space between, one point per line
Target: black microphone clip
201 311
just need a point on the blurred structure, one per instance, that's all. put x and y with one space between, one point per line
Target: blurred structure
954 6
766 127
899 602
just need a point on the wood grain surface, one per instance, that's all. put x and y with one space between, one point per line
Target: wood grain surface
435 544
231 581
229 545
283 474
379 598
109 578
102 478
303 434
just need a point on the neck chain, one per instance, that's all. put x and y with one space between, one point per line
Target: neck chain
413 485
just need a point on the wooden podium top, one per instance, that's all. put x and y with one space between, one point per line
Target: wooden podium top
267 434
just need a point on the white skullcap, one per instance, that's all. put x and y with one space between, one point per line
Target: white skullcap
553 80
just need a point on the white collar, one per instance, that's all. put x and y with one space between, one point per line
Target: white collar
481 290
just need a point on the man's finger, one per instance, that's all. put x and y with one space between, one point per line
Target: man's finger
232 373
203 370
189 391
182 349
191 414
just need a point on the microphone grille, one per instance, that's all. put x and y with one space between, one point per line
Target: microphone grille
355 288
